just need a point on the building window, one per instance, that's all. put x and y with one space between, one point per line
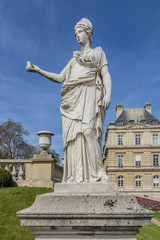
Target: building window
154 121
138 160
120 181
143 121
155 160
131 122
138 181
155 139
156 181
120 122
120 160
138 139
120 140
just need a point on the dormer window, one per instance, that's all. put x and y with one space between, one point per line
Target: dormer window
143 121
131 122
120 122
154 121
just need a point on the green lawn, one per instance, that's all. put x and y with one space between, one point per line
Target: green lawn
157 216
14 199
11 201
149 233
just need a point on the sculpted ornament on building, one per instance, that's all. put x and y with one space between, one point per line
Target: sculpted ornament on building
86 95
136 126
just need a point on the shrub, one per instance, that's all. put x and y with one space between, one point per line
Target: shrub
5 178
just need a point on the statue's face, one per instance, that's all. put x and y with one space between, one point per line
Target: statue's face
81 36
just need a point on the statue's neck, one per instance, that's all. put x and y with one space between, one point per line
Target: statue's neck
85 47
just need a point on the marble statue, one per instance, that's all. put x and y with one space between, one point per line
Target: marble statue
86 95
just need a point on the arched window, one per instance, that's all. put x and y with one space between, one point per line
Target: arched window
120 181
156 181
138 181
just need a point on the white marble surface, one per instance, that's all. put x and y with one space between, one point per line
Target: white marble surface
86 94
45 139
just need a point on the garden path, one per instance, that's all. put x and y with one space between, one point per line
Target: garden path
155 221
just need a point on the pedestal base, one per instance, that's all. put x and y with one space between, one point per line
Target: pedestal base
90 187
85 237
78 216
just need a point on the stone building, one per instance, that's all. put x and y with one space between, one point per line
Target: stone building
132 152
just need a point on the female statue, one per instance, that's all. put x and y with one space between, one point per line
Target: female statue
86 94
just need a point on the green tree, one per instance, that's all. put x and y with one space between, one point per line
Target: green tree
55 155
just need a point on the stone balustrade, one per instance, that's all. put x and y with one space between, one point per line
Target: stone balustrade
41 171
16 167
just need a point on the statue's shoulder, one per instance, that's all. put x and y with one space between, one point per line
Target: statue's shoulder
99 50
71 62
101 57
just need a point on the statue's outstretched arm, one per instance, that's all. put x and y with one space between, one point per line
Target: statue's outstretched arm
107 85
51 76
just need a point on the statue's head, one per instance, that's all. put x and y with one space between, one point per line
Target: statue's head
86 25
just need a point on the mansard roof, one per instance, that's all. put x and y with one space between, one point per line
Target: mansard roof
135 116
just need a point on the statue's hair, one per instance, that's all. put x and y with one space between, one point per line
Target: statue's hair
86 25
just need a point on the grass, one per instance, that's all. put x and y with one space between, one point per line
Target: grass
14 199
157 216
11 201
149 233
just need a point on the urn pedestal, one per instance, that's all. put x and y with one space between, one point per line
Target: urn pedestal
85 215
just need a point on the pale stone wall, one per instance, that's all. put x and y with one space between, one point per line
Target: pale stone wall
129 150
58 171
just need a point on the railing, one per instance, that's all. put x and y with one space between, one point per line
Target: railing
25 172
40 171
15 167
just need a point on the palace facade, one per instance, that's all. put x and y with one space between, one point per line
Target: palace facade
132 152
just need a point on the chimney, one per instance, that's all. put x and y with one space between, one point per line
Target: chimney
119 110
148 107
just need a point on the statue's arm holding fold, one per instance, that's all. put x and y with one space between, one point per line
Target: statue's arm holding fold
58 78
106 78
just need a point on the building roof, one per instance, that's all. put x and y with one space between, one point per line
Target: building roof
135 116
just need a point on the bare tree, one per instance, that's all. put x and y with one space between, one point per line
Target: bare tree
12 143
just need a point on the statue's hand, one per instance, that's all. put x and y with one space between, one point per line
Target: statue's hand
106 101
32 68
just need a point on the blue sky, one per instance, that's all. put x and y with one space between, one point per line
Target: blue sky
42 31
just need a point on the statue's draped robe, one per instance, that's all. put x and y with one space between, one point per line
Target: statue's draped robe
83 117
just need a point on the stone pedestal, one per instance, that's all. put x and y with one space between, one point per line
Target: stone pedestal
83 215
40 171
